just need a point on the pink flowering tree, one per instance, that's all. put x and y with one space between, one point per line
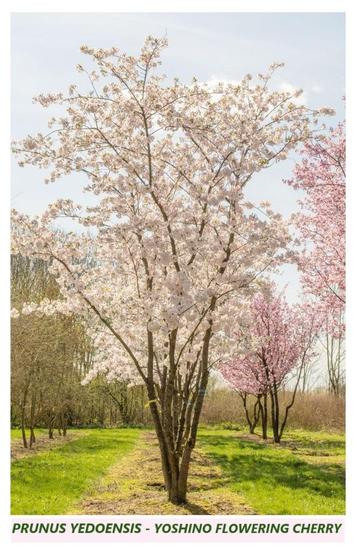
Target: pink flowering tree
321 226
174 248
321 221
275 342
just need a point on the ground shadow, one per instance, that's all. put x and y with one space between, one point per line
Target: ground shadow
195 509
255 462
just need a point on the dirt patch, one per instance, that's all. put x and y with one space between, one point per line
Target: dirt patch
250 437
257 439
43 443
135 486
309 455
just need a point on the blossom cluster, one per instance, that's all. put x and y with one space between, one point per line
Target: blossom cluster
321 221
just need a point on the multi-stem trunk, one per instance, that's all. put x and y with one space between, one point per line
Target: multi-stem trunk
176 403
176 453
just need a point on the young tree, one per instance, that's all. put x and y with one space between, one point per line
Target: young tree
247 380
176 246
275 340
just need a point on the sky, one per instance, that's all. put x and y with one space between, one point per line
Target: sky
226 46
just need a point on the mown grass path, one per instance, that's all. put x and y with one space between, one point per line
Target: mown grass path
49 482
135 485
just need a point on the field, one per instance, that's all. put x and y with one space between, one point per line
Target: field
117 471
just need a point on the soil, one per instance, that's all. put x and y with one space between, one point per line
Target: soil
43 443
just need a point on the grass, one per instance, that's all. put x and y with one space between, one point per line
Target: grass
51 481
114 471
16 433
305 475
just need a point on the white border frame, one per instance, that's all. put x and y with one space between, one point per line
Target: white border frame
77 6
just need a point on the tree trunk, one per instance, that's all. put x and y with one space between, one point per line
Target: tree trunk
23 432
243 396
275 415
51 423
174 457
32 436
256 415
32 422
23 409
175 476
142 402
176 404
289 406
263 411
63 423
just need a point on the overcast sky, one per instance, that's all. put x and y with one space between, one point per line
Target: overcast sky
45 51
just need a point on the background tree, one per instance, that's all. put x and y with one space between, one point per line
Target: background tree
332 339
321 226
274 340
321 222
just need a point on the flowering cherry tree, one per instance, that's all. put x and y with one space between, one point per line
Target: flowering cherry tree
321 225
175 248
274 341
321 222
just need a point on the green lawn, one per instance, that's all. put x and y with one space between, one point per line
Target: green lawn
51 481
305 475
